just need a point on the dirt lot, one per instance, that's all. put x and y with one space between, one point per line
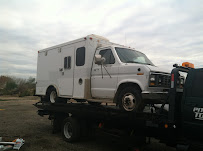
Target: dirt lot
18 118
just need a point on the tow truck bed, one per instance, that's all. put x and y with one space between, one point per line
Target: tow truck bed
144 123
100 112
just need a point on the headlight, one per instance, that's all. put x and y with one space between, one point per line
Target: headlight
152 80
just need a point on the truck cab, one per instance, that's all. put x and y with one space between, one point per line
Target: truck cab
128 77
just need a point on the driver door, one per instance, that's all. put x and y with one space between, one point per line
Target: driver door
193 104
104 77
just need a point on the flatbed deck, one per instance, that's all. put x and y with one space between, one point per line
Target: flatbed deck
103 113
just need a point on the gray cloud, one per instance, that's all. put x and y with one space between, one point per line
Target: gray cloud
167 31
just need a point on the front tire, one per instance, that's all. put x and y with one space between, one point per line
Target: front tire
130 99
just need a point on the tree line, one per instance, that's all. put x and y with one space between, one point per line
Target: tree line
17 86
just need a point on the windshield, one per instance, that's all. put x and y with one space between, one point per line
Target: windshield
132 56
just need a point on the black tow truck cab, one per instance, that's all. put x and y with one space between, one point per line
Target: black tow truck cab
181 125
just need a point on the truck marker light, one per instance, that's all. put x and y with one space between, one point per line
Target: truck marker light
100 125
152 83
172 81
166 125
90 38
172 77
140 73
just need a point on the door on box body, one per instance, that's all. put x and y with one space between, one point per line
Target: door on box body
66 71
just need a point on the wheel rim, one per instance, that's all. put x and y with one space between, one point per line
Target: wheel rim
68 130
129 102
53 97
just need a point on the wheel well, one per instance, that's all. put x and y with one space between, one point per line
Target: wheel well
51 86
123 85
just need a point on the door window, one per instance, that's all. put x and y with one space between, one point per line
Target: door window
67 62
108 55
80 56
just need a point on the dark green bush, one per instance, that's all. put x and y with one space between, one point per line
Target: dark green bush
12 85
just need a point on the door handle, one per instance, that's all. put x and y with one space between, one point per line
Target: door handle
60 69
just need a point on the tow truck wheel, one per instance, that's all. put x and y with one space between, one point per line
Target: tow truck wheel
71 129
129 99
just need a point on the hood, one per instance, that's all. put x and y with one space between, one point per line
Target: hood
157 69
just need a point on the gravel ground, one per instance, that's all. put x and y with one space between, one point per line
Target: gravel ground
19 119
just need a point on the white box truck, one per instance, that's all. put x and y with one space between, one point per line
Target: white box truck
94 69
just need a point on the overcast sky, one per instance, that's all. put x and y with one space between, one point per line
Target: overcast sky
167 31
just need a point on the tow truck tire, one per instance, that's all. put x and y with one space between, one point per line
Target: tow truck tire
129 99
71 129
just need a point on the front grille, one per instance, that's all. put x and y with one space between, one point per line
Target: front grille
163 80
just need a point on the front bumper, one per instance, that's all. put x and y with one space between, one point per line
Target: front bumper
154 97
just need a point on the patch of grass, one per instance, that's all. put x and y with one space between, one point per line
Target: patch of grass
3 100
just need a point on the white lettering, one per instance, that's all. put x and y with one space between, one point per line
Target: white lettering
195 109
198 113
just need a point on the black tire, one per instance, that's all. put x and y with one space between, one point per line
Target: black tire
129 99
52 96
71 129
94 103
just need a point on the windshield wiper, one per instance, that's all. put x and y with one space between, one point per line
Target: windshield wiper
132 62
139 62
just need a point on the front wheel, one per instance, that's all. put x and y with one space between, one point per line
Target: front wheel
130 99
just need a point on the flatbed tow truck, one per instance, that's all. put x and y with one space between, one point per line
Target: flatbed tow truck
180 126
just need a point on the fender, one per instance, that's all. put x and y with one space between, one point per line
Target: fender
131 81
126 81
57 90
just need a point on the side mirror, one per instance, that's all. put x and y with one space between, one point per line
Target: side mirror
98 59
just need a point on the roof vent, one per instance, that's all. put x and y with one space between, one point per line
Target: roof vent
98 37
